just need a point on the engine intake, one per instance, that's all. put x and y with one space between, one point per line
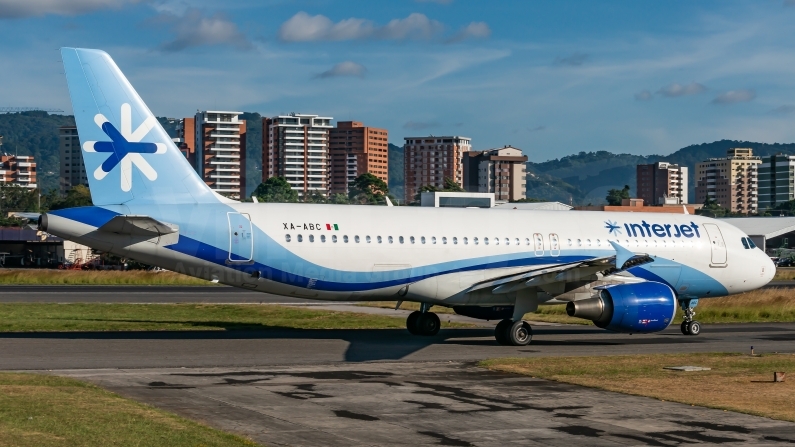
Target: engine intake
633 308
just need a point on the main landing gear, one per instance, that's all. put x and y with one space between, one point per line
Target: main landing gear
423 322
513 333
689 326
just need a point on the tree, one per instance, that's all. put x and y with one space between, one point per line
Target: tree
367 189
78 195
712 209
616 196
450 185
276 189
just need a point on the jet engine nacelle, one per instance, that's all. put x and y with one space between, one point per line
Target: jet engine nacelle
634 308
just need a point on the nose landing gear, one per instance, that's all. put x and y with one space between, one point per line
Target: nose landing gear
423 322
689 326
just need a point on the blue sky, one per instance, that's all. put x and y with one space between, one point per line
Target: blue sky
550 77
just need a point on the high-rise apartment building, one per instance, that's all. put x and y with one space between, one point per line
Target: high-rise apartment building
429 160
501 171
186 139
731 181
296 147
662 183
18 170
73 171
220 151
776 180
354 150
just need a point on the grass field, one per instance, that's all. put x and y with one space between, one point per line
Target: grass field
784 274
736 382
42 411
29 317
96 277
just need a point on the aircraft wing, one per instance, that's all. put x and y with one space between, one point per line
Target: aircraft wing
138 225
563 273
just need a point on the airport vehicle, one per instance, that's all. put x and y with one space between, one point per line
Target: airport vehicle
627 272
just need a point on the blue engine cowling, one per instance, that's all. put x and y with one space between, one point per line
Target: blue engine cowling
634 308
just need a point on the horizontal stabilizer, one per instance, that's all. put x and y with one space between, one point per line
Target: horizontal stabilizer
138 226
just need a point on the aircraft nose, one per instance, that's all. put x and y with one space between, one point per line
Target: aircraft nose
768 270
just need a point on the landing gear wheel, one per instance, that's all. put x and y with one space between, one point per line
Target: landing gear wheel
501 332
519 333
411 322
694 328
684 328
428 323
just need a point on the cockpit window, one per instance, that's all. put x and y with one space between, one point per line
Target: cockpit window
748 243
751 243
745 243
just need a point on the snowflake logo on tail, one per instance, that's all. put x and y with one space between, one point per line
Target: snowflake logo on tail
613 227
125 147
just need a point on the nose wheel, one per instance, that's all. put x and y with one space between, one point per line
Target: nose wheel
689 326
513 333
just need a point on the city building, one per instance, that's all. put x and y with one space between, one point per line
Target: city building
355 150
444 199
662 183
296 147
637 206
730 181
18 170
776 180
73 171
429 160
500 171
220 151
186 139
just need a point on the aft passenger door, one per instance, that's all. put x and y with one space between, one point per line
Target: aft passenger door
718 246
241 239
538 244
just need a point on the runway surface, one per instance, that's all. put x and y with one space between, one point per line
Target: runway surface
424 404
383 387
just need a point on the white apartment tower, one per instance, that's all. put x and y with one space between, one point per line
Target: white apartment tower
220 152
296 147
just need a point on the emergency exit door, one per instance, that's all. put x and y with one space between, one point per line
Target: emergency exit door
717 245
241 239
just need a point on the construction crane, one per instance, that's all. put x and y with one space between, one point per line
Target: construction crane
28 109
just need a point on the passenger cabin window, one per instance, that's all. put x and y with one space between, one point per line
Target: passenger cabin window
486 241
379 239
311 238
412 239
368 239
422 239
356 238
444 240
345 238
322 238
287 237
390 239
433 239
334 238
455 241
475 240
400 239
466 241
300 238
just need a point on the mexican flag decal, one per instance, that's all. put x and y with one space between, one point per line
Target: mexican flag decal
332 227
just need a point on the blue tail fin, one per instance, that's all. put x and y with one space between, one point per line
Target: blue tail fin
128 156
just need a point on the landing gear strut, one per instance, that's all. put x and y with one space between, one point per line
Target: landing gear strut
513 333
689 326
423 322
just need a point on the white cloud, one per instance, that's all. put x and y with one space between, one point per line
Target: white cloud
194 29
735 96
783 110
420 125
15 9
347 68
676 90
475 30
645 95
305 28
575 60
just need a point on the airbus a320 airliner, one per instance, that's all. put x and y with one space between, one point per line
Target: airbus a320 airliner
627 272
